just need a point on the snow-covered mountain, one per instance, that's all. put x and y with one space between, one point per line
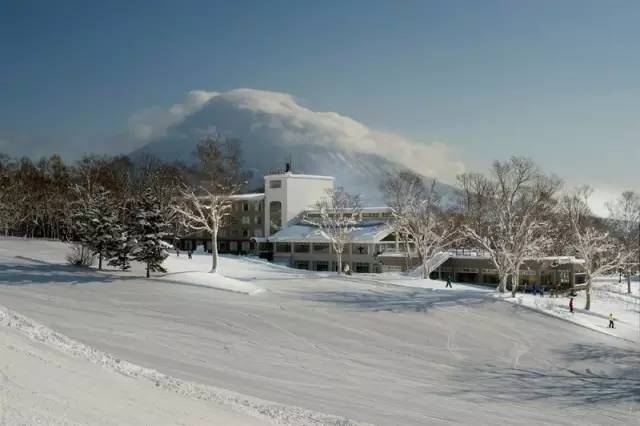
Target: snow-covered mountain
274 128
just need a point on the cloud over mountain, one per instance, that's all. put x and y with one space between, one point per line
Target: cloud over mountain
274 119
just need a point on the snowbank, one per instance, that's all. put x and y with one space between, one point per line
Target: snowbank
606 298
212 280
258 408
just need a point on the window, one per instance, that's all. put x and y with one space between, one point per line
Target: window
564 276
246 220
275 215
257 232
469 270
301 264
370 215
245 206
283 247
321 248
245 246
489 271
275 184
322 266
301 248
359 249
361 267
258 220
245 233
233 246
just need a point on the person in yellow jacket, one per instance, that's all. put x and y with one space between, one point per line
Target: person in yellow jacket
611 320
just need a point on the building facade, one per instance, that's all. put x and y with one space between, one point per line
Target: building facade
272 225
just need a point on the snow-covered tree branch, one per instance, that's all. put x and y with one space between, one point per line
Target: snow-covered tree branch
221 177
417 213
507 214
339 215
601 252
624 222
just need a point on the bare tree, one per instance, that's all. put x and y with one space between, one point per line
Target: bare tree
417 213
624 222
590 242
339 213
221 176
507 214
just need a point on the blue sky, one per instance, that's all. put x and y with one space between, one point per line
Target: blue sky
554 80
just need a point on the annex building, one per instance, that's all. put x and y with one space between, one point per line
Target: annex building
272 225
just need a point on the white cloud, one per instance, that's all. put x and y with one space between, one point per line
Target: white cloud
604 194
281 115
154 121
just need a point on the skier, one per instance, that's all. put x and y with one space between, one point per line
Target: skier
571 305
611 320
347 269
448 282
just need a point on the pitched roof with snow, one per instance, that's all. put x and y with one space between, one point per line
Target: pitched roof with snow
312 234
253 196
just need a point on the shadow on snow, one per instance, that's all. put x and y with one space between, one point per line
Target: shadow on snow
45 273
593 374
411 300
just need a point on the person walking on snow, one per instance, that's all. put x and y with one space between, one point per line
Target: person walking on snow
611 321
571 305
347 269
189 253
448 282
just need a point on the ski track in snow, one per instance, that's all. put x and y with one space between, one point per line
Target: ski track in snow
277 413
365 348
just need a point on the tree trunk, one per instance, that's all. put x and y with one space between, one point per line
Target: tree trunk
514 284
425 269
214 250
100 261
629 283
148 270
339 258
502 285
587 305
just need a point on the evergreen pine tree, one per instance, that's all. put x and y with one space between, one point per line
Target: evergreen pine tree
79 227
150 229
122 252
102 227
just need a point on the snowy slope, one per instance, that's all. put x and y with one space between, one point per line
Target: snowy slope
40 384
366 348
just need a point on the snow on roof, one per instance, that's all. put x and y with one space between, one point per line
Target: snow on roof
292 175
253 196
562 259
312 234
